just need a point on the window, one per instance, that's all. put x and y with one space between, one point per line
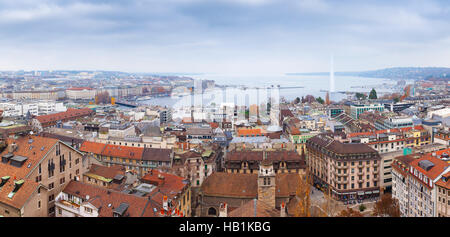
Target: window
88 210
62 180
51 186
39 204
51 197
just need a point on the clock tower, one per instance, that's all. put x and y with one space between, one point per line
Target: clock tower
266 183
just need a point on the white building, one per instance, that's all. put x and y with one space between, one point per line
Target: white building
81 93
11 109
414 179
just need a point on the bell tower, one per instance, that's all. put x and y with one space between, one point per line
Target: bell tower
266 183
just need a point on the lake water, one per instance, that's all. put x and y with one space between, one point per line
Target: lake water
312 85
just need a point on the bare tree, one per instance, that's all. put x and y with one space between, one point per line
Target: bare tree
387 206
349 212
303 208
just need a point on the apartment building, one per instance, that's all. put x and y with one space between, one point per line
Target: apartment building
356 110
417 177
79 199
349 172
51 120
137 159
48 163
248 161
443 196
77 93
175 188
197 165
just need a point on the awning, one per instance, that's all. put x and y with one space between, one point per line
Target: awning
376 191
369 192
360 193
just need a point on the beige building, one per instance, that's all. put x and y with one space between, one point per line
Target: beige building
443 196
85 93
48 163
349 172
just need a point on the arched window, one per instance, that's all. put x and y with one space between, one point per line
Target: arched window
212 211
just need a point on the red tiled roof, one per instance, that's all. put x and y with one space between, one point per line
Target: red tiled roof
394 130
69 114
170 184
134 153
245 185
105 171
248 210
102 197
34 151
21 196
94 147
249 132
435 171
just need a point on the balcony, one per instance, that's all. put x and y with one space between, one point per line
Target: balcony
360 166
360 181
375 165
360 173
68 206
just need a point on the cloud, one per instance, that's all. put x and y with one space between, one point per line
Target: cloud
222 35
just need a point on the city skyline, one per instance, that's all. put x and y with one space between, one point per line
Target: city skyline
235 37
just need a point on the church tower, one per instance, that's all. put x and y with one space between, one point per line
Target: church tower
266 183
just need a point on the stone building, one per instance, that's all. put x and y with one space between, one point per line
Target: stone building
349 172
238 189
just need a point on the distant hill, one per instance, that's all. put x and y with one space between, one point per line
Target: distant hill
394 73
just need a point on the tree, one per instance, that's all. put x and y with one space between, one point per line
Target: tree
373 94
103 98
349 212
329 206
362 207
396 99
320 100
302 195
297 100
360 96
387 207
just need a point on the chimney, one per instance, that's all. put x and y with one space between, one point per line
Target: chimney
12 147
165 203
223 210
283 210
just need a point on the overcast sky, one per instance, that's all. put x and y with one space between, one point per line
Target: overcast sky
223 36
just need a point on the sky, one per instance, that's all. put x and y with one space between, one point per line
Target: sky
223 36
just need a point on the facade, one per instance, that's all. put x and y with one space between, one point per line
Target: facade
417 177
175 188
356 110
238 189
349 172
45 161
249 161
51 120
79 199
443 196
394 122
137 159
83 93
